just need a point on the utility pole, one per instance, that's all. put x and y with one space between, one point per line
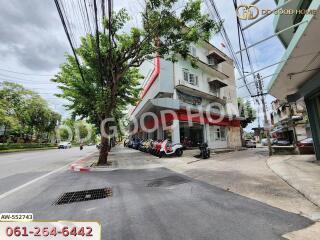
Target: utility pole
266 122
292 124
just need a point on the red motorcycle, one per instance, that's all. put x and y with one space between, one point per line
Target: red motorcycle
156 147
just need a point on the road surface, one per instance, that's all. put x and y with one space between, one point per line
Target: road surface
153 203
21 167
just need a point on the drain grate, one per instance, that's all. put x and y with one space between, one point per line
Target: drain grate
85 195
167 181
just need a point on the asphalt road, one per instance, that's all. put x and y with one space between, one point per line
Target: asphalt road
151 204
21 167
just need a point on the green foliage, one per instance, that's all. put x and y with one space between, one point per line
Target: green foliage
23 112
81 131
246 112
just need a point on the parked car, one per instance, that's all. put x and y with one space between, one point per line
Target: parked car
251 143
306 146
64 145
282 142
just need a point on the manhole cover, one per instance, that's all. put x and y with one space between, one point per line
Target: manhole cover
85 195
167 181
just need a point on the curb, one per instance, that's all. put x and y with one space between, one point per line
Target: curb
82 164
289 183
79 168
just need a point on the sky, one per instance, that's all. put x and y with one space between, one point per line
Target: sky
33 42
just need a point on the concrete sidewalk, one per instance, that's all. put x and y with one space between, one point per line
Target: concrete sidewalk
302 172
242 172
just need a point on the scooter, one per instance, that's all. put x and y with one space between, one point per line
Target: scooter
204 150
156 147
168 149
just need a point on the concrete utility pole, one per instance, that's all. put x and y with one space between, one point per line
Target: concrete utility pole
266 122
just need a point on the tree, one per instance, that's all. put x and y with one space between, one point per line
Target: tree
247 113
109 61
24 112
83 131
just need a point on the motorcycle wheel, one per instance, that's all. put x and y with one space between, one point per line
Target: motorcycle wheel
179 152
161 154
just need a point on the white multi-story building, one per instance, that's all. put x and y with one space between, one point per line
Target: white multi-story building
188 92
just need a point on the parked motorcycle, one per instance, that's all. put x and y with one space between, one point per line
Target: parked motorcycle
136 143
169 149
145 145
204 150
156 147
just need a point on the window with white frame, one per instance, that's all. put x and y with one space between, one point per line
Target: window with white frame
193 51
219 133
214 90
190 78
185 75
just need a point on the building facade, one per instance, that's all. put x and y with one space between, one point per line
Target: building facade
289 121
193 104
298 75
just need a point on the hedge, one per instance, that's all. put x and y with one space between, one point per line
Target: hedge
10 146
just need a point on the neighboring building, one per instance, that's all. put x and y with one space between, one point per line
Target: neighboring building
183 89
299 72
259 133
289 120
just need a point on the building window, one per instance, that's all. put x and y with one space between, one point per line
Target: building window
219 133
223 133
214 90
193 79
185 76
193 51
215 109
211 61
190 78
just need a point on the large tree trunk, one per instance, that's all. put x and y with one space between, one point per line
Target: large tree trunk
104 151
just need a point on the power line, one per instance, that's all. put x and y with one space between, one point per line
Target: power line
216 16
23 73
239 25
68 36
98 41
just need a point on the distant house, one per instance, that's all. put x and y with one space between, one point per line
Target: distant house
289 119
297 76
259 133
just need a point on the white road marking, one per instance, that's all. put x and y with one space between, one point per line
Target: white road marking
6 194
